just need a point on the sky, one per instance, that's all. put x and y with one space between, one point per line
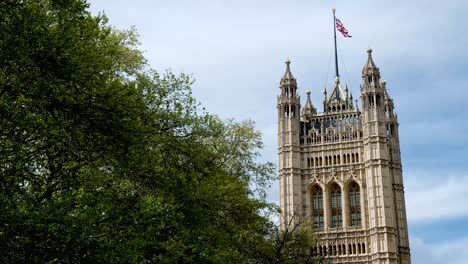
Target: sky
236 50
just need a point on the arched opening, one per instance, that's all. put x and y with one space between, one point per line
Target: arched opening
338 159
350 249
357 157
363 248
352 157
354 248
355 204
344 249
335 198
334 250
320 161
359 248
317 207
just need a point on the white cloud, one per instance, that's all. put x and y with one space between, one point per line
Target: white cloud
453 251
430 198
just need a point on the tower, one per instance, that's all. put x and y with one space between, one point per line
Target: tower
341 171
288 141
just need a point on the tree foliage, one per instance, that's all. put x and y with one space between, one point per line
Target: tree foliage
105 161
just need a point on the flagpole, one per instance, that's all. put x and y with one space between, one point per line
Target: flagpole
334 30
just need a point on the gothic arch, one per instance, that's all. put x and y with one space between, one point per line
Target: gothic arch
317 206
354 202
334 181
348 182
336 208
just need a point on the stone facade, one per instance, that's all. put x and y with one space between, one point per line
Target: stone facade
341 170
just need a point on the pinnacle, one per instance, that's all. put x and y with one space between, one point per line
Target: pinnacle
288 75
370 67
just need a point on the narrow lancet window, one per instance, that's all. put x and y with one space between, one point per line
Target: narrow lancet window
336 206
355 204
317 207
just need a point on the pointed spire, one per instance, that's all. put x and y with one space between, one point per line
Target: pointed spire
309 108
288 78
346 91
288 74
383 84
370 68
308 97
324 98
336 93
309 102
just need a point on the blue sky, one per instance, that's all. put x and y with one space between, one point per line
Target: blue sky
236 52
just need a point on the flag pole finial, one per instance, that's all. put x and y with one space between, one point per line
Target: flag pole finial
333 10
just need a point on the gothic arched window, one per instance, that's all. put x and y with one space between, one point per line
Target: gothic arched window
317 207
355 204
335 195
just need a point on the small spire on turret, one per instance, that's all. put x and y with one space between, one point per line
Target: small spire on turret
288 74
346 91
384 83
309 102
308 109
370 68
324 98
288 78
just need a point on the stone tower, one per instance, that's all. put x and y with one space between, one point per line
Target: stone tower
341 170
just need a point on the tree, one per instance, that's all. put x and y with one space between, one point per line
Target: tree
105 161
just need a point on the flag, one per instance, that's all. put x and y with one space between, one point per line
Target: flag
341 28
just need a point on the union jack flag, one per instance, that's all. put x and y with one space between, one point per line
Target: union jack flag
341 28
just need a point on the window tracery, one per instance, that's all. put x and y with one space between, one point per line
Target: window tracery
355 204
335 195
317 207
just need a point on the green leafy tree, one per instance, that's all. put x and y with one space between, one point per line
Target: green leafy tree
104 161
